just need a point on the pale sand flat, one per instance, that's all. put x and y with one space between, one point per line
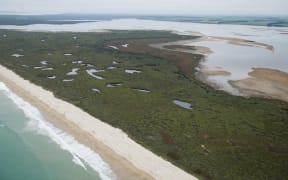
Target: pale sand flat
264 82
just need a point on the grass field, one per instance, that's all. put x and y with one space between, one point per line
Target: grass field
221 137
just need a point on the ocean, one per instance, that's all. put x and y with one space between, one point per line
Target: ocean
31 148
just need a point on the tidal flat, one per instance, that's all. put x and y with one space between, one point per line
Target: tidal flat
223 137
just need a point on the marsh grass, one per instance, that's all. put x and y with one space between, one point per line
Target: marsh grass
222 137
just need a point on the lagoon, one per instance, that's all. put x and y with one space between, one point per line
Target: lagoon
235 59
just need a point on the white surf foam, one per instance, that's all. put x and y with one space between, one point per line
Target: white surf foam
81 154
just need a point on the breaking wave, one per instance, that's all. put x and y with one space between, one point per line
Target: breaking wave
81 154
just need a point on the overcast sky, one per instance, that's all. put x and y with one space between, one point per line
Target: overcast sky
183 7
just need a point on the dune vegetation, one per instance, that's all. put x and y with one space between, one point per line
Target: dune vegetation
118 78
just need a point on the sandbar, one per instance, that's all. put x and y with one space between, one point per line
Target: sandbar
264 82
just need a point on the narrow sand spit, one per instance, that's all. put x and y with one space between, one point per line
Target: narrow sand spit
264 82
244 42
215 72
128 159
181 46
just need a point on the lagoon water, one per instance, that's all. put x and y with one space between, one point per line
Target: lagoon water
36 150
236 59
31 148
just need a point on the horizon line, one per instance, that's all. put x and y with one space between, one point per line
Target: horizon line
142 14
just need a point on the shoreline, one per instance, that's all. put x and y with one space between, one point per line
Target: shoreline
180 46
264 82
258 84
199 91
127 159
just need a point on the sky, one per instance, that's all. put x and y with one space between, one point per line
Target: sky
161 7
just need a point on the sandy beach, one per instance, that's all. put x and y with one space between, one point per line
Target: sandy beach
128 159
208 72
244 42
181 46
264 82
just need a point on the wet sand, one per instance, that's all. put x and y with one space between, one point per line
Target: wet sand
127 159
181 46
244 42
205 72
264 82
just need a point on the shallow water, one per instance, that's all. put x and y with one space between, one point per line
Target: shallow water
35 149
92 71
182 104
239 60
132 71
142 90
74 71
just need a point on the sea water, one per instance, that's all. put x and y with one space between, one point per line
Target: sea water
31 148
56 155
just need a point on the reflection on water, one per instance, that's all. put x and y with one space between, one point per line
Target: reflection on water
239 60
229 57
182 104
